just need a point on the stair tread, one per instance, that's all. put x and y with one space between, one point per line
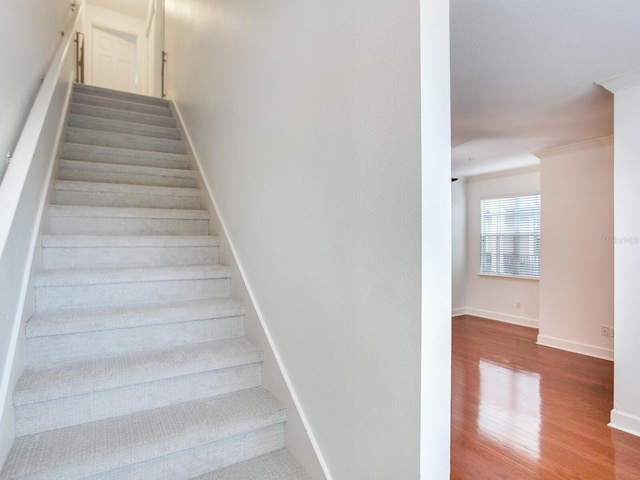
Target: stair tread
91 319
278 465
124 152
89 241
121 104
129 116
126 212
88 136
132 169
42 383
91 448
107 92
102 124
101 276
81 186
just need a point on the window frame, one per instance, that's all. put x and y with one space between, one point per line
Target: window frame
480 244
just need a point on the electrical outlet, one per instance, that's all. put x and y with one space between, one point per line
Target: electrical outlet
604 331
518 305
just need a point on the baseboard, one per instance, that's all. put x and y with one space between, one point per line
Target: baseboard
457 312
306 427
625 422
576 347
501 317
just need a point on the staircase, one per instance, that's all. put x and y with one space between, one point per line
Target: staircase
137 365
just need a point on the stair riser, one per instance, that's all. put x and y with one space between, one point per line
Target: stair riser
118 104
181 465
62 348
92 153
107 257
131 97
121 199
126 226
49 298
89 175
132 117
43 416
118 140
119 126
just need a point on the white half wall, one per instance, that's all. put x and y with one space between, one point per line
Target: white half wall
576 280
513 300
626 391
31 32
306 117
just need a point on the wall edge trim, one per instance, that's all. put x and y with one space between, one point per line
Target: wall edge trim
625 422
502 317
576 347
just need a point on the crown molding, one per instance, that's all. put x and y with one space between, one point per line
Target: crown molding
575 147
621 82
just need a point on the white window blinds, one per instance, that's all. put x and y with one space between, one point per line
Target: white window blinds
510 231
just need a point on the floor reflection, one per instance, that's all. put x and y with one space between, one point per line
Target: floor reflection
509 407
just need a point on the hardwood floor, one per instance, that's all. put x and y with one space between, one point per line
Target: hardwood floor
523 411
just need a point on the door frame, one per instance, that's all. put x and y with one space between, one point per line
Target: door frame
128 37
111 21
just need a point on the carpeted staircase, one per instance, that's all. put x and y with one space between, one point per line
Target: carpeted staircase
137 365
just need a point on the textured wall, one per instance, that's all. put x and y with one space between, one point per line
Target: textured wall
307 118
576 279
508 299
30 34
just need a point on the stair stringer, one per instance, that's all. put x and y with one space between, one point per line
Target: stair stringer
299 437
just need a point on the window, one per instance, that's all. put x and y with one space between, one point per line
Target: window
510 231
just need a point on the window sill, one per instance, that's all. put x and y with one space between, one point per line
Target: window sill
514 277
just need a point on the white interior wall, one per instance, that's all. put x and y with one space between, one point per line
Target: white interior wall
576 281
626 395
307 120
459 247
31 32
513 300
112 20
23 196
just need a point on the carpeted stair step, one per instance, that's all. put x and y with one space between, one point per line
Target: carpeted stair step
123 115
120 104
278 465
82 220
57 289
86 136
125 156
176 442
102 251
91 389
130 174
69 334
108 93
125 195
119 126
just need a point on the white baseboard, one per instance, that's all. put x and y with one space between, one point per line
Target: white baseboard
456 312
576 347
501 317
625 422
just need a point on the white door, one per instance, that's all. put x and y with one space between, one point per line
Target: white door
114 60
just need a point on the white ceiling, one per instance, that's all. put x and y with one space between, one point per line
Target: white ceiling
523 73
134 8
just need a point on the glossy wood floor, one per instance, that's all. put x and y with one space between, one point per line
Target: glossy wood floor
522 411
